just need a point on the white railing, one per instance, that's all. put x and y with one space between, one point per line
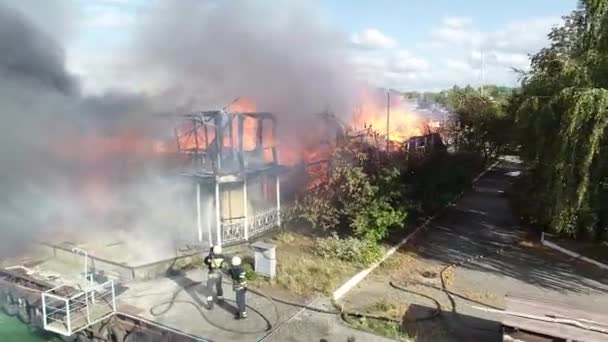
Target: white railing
233 230
68 315
263 221
240 230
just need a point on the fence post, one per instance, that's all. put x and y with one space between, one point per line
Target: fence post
245 205
67 316
43 311
113 296
86 301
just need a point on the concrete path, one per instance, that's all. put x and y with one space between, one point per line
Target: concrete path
286 323
479 224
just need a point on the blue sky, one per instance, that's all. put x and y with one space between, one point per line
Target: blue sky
407 20
422 45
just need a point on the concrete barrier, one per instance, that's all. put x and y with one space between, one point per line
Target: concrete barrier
573 254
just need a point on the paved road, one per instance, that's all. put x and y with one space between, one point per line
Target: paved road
479 224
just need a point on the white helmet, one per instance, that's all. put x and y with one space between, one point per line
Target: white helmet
236 261
217 249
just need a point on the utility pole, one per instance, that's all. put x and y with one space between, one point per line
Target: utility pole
483 64
388 118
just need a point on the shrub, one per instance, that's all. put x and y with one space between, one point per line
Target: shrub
363 252
250 273
357 199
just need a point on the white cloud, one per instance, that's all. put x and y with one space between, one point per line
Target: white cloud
501 59
458 66
392 68
457 22
404 61
522 36
369 62
108 14
462 43
457 31
110 19
372 39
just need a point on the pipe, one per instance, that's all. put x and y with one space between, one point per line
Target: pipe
278 201
86 260
245 204
218 221
198 212
86 269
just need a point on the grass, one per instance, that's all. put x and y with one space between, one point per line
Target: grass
303 273
389 329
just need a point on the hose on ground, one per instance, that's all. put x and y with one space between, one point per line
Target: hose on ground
170 303
451 295
344 315
158 309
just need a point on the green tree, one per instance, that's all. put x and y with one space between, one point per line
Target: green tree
562 120
478 123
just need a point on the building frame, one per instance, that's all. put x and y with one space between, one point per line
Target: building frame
232 159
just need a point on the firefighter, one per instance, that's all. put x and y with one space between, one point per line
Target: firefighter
215 263
239 285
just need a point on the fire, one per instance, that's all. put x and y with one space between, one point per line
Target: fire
242 104
92 148
372 113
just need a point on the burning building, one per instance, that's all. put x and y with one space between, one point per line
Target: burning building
232 159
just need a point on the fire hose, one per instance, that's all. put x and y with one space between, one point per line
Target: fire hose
344 315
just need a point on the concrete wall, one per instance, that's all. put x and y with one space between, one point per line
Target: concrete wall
125 273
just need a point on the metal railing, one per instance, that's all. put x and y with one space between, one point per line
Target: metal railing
263 221
233 230
66 315
241 229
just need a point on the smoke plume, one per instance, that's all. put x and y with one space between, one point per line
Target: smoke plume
199 55
280 54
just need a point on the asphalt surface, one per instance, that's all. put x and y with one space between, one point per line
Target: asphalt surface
480 224
267 321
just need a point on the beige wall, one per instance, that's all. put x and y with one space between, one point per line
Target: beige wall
231 196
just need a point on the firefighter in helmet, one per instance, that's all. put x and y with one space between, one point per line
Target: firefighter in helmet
239 285
215 263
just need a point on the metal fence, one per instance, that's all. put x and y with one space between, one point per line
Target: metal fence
233 230
263 221
69 314
242 229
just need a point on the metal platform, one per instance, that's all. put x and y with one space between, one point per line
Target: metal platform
66 311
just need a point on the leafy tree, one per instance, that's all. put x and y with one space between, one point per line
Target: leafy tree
562 119
478 123
355 200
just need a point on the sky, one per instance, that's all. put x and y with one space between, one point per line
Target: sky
405 45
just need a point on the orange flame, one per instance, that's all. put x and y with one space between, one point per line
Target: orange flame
242 104
372 112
